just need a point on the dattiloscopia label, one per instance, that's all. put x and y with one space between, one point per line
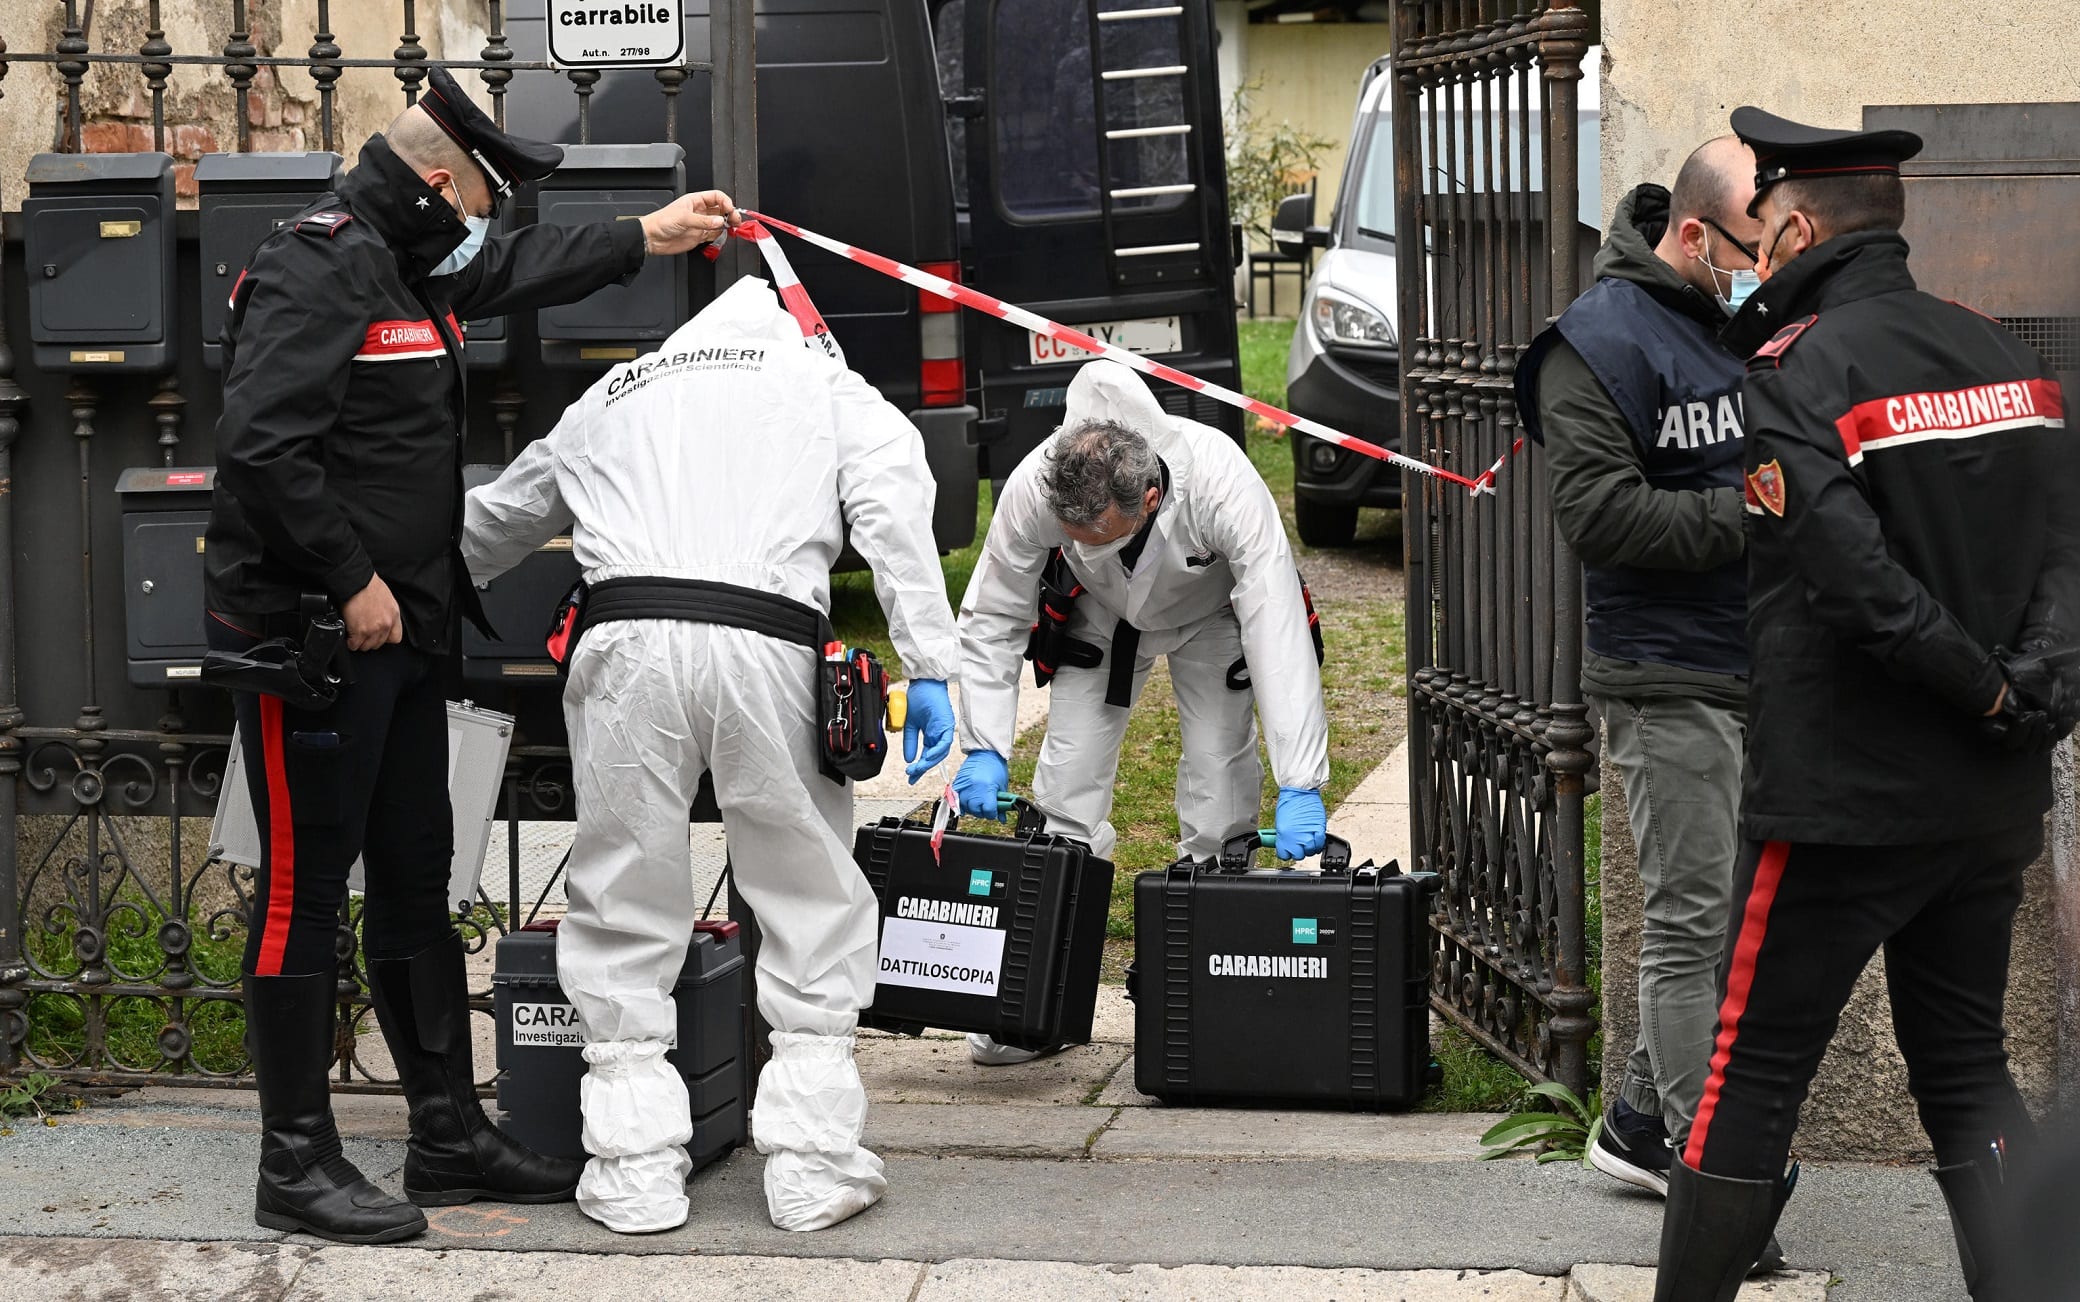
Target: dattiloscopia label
941 956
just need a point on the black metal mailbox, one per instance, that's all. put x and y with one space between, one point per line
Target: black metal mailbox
99 249
165 514
244 198
620 322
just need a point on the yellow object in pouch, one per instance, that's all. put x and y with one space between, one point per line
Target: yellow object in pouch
898 708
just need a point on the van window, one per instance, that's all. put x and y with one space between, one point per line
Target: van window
1372 211
1043 104
950 43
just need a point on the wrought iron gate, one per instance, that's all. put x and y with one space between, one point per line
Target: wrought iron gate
1485 121
118 936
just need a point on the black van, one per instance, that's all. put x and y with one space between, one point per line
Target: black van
851 142
1092 191
1088 165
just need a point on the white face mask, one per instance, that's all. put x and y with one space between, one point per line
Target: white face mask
472 244
1740 283
1104 550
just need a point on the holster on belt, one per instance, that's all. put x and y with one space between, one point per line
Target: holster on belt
1050 647
305 670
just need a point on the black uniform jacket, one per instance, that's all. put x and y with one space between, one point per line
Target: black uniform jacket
1913 500
339 450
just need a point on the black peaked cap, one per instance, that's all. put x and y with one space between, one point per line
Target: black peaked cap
506 161
1785 150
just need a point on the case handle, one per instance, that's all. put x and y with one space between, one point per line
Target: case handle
1237 851
1030 822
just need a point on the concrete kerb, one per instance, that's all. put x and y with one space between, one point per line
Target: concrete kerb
273 1272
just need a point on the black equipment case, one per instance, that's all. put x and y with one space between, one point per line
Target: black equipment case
1000 935
1282 987
541 1046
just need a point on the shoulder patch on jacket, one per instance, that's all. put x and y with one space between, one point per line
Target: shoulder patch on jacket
1780 342
324 223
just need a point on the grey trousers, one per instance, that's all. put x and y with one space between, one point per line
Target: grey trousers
1681 761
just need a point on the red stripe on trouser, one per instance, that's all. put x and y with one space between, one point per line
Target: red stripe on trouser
281 843
1740 979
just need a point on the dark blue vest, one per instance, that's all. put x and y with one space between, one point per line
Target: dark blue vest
1680 393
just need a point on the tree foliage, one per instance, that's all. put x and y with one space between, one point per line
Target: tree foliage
1266 160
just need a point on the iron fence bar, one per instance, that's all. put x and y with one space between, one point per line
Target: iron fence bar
1567 30
324 63
411 56
498 51
70 56
733 125
156 73
14 1001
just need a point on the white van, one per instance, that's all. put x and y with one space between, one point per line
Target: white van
1344 369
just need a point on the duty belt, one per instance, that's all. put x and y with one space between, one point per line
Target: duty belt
701 601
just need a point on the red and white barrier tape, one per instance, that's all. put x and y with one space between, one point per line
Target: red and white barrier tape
804 312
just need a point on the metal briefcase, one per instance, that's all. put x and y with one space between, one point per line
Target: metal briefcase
478 740
994 934
1282 987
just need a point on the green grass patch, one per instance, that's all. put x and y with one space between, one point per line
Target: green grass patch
1474 1080
132 1025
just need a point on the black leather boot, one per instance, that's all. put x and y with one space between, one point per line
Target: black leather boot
1713 1232
306 1183
1976 1192
456 1155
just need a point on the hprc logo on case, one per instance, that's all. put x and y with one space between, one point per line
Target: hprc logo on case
1303 931
979 882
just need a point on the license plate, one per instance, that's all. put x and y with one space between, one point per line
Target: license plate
1160 334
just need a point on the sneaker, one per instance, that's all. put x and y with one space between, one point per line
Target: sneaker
1633 1147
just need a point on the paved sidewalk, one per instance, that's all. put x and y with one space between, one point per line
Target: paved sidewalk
1054 1180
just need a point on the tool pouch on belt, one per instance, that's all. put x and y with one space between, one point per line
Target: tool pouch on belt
1238 673
564 628
851 698
1050 647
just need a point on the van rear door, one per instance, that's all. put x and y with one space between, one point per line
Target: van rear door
1096 196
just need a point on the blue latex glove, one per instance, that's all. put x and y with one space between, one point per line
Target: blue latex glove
1303 825
983 774
930 722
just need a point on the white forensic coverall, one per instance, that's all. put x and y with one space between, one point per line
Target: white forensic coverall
736 454
1215 583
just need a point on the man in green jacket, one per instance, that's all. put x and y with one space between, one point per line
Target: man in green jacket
1639 410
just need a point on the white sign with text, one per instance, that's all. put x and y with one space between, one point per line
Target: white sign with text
941 956
625 34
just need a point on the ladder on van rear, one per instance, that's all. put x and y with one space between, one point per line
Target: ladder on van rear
1139 263
1096 194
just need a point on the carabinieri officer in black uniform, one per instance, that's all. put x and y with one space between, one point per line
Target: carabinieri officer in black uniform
1913 507
339 479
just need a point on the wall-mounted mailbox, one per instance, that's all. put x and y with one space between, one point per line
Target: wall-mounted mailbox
519 603
165 514
244 198
620 322
98 250
485 339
